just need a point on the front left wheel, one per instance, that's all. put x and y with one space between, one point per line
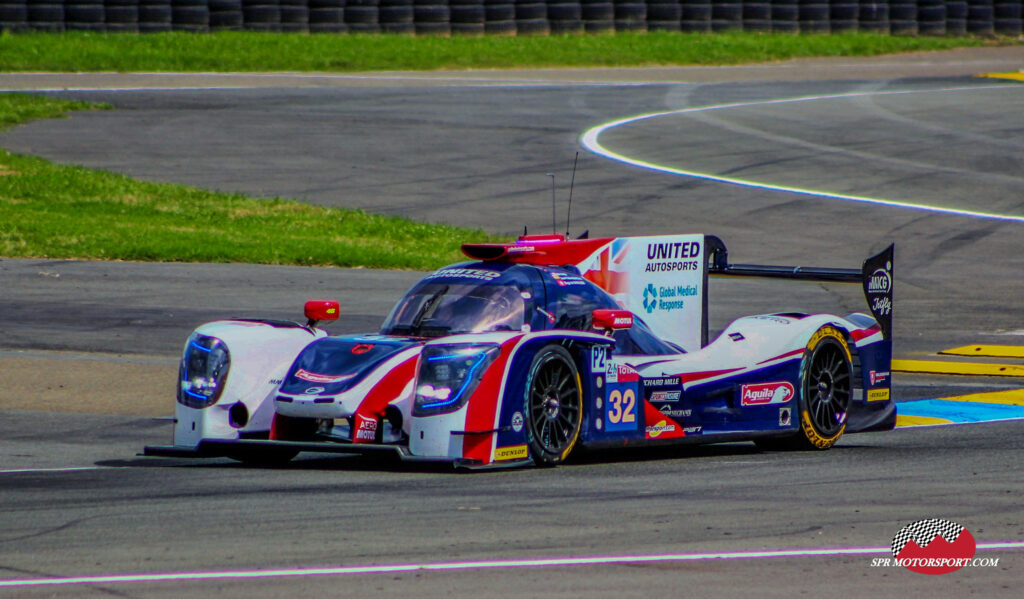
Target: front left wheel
554 405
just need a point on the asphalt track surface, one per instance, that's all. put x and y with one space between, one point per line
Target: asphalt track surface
477 154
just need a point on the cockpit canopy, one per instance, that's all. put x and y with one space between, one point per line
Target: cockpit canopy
494 297
452 301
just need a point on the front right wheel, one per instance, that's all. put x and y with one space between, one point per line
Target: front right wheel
553 404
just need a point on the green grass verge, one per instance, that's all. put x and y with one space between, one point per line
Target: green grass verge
53 211
250 51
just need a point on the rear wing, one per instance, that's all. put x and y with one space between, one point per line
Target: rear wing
875 276
663 278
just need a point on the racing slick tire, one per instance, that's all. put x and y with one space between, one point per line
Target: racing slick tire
284 428
554 405
826 375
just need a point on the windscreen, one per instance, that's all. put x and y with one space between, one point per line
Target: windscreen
438 308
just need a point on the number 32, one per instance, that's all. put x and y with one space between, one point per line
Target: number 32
622 407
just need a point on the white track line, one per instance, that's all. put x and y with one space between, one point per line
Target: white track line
590 142
68 469
465 565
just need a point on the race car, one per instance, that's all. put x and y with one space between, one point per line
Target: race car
539 347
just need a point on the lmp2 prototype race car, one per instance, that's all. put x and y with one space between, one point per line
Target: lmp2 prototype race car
539 347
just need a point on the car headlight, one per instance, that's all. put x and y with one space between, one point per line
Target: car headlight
448 376
204 368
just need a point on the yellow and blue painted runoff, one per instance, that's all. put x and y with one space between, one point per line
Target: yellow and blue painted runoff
1018 76
962 409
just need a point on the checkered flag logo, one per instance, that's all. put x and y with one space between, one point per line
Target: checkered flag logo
923 532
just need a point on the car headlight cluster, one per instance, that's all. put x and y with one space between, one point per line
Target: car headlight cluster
449 374
204 369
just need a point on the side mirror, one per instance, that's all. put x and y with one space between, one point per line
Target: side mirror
317 310
612 320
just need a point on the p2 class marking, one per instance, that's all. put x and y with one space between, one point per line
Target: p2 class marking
466 565
590 141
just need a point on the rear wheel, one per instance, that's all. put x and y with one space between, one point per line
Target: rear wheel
554 405
825 393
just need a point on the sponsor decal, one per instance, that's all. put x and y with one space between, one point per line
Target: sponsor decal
656 430
785 417
626 374
672 256
764 394
665 396
514 452
366 429
737 336
464 273
881 280
362 348
517 422
313 390
667 298
934 547
878 394
275 381
667 382
691 429
566 279
313 377
775 319
668 411
878 377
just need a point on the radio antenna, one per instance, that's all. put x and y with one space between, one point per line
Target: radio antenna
572 182
554 227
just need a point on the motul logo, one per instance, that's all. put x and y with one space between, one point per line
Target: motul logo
763 394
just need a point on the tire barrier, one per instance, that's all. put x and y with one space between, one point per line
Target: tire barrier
190 15
467 17
532 18
294 16
931 17
154 16
696 16
565 16
121 16
843 15
499 17
903 17
874 17
664 15
13 16
362 16
225 15
84 15
726 16
785 16
328 16
630 15
519 17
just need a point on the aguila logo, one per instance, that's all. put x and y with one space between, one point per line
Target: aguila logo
933 546
763 394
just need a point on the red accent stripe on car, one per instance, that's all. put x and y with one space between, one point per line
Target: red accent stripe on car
859 334
689 377
795 352
483 406
383 393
